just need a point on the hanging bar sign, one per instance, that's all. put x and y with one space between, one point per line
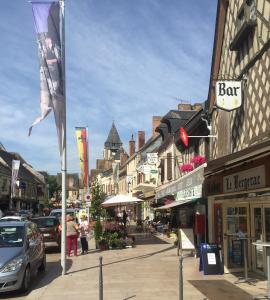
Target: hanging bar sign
228 94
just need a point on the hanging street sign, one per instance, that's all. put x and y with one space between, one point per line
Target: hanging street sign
228 94
184 136
87 197
152 158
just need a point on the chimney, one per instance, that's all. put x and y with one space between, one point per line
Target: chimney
155 122
184 106
131 146
141 139
197 106
123 158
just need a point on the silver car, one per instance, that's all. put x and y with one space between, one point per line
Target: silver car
22 254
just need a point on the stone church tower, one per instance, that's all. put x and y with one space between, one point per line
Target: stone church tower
112 145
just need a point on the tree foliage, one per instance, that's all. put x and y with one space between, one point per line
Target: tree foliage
54 187
97 197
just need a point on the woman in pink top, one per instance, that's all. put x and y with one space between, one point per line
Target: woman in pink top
72 235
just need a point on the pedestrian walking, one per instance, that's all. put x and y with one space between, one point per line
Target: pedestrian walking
84 230
72 235
124 218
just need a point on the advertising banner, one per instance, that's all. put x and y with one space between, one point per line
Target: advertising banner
48 24
14 176
82 143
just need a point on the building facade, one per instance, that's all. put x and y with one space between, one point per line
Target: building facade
237 177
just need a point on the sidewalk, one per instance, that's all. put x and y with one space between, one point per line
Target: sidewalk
147 272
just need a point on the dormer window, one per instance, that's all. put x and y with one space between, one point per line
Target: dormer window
246 21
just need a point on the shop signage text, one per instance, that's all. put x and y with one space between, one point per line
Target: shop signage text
183 183
246 180
190 193
228 94
152 158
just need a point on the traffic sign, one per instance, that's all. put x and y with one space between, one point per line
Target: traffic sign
87 197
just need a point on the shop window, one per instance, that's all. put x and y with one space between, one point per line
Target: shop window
246 21
169 166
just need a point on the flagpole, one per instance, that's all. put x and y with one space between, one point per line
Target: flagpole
88 208
64 151
87 139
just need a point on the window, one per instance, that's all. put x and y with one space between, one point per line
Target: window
246 21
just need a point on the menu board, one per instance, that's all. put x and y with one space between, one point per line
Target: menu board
210 262
186 239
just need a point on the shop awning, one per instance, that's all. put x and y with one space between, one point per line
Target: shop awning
219 164
189 185
175 203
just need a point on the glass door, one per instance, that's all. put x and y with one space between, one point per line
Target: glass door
236 223
260 233
257 235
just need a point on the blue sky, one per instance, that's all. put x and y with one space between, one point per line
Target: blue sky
126 60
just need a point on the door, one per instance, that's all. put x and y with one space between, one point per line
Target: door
257 235
236 222
260 233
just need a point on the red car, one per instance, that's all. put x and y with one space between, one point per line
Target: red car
50 229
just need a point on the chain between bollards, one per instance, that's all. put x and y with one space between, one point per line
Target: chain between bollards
181 277
100 279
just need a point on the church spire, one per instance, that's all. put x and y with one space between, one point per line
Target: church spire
113 141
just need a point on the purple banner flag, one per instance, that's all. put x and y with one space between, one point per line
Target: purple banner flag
47 17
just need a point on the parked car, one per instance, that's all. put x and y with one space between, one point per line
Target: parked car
22 254
58 212
25 213
50 229
13 218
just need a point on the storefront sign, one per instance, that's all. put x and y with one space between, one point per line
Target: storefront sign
152 158
189 193
228 94
246 180
186 182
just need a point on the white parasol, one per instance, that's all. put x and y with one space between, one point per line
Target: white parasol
120 199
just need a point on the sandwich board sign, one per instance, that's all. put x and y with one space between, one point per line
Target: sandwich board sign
186 239
229 94
210 262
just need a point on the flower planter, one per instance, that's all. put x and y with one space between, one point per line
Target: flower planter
103 247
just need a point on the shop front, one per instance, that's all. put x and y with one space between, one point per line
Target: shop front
239 207
189 208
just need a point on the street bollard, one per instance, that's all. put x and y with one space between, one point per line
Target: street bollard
181 277
100 279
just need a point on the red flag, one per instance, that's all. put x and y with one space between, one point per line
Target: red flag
184 136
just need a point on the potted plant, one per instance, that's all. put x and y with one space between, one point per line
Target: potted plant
103 244
198 160
187 168
97 232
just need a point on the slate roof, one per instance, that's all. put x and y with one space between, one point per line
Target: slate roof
177 118
113 141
